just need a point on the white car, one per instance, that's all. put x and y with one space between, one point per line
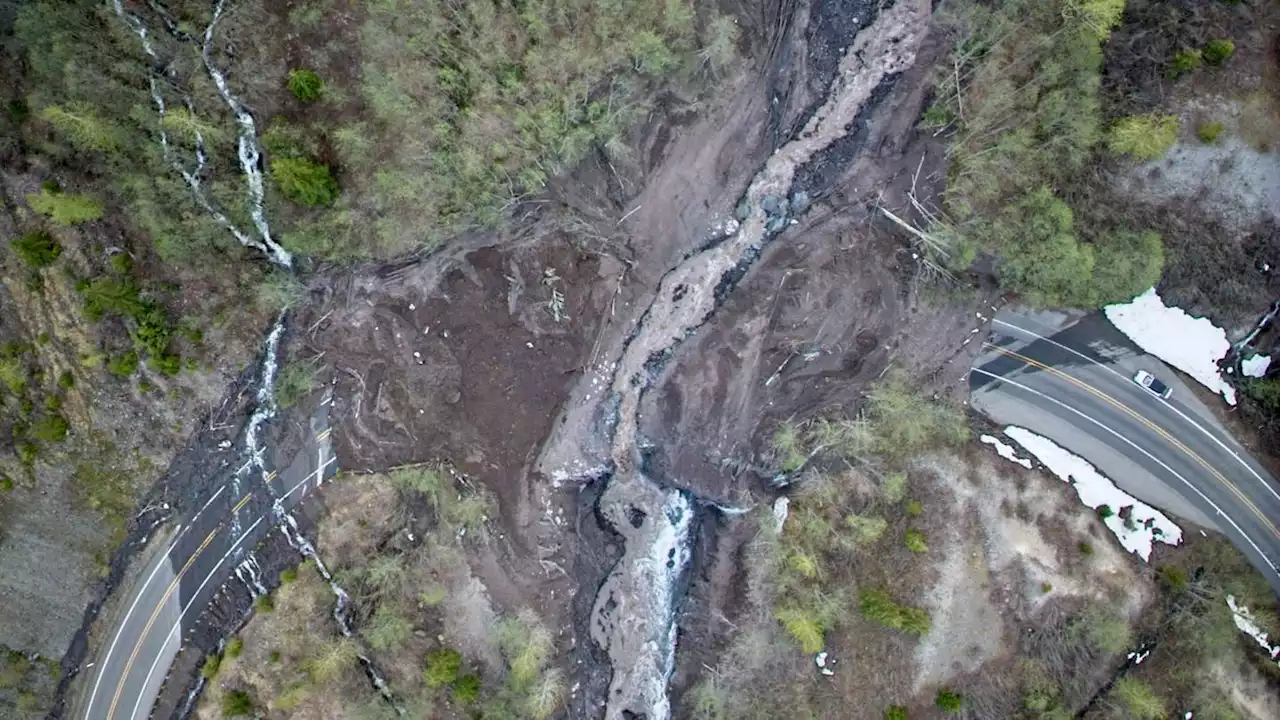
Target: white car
1149 381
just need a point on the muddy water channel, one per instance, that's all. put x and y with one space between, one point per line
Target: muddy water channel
634 614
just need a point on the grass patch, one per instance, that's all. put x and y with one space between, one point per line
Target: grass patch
1144 137
66 209
879 607
1209 132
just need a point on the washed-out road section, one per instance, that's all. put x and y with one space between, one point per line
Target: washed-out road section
199 555
1069 378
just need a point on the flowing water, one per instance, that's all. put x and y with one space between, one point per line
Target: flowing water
634 617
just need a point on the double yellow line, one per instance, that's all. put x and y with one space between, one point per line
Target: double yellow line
1149 424
173 586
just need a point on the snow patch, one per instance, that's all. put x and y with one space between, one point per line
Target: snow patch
1145 525
781 507
1191 344
1249 626
1256 366
1006 451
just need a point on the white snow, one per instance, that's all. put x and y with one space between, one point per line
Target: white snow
1256 366
1006 451
780 509
1095 490
1249 626
1191 344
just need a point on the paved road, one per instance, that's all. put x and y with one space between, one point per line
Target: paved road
199 555
1068 378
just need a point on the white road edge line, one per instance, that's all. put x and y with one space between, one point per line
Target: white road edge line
104 664
178 623
1141 450
318 472
1166 403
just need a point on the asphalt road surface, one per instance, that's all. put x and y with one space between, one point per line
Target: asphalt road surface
199 556
1069 378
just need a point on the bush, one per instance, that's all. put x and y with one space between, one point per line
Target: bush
915 541
866 529
1105 632
332 659
442 667
1209 132
466 689
66 380
212 664
895 712
235 647
288 575
893 487
1145 137
305 85
948 701
1105 511
1137 699
914 508
803 627
1187 61
38 249
50 428
1086 548
878 606
236 703
307 183
1173 578
1219 51
66 209
123 365
265 603
789 447
388 630
295 383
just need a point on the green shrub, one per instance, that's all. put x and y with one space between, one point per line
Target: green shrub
1106 632
915 541
466 689
13 373
122 263
878 606
235 647
27 452
388 630
1145 137
265 603
81 126
1209 132
1105 511
1173 578
803 627
789 447
914 508
442 667
1137 699
895 712
236 703
1187 61
296 381
866 529
66 209
1046 588
52 403
38 249
6 483
1219 51
1086 548
273 657
288 575
50 428
948 701
893 487
305 85
123 365
167 364
307 183
212 664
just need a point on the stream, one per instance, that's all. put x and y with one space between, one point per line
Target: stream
634 618
249 156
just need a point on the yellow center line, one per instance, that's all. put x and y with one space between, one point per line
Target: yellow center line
124 676
1151 425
